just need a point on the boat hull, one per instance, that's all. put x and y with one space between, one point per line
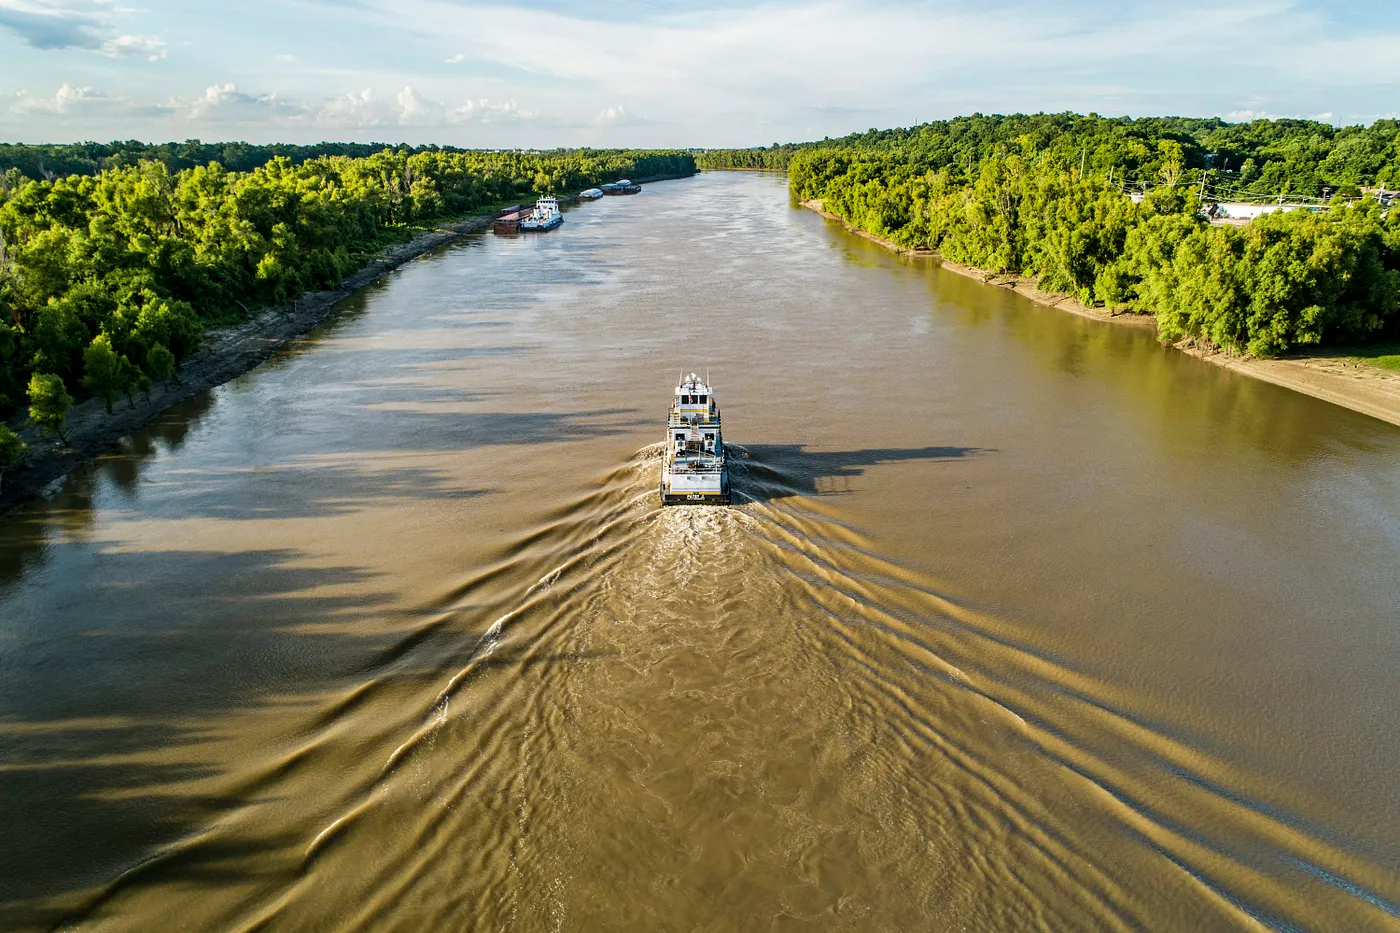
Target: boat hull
535 227
693 489
696 498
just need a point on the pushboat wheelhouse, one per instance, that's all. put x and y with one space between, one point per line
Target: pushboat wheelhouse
694 472
545 216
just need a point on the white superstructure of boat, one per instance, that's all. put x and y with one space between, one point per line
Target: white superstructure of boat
694 471
545 216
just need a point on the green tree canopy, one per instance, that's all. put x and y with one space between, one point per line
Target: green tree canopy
103 372
150 245
1108 210
160 363
49 403
12 451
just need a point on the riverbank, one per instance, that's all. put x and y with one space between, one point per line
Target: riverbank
226 353
1331 377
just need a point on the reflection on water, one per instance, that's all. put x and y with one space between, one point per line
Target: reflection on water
1023 622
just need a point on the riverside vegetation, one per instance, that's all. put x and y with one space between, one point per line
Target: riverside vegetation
109 276
1047 196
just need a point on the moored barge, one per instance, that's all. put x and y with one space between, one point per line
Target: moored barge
508 220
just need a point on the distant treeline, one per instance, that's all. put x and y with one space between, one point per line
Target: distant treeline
1048 195
774 158
46 162
1264 158
107 280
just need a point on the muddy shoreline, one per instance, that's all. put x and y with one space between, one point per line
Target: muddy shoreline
1330 377
227 353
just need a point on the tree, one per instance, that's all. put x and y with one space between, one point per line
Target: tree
1173 162
12 451
160 362
102 370
129 378
49 403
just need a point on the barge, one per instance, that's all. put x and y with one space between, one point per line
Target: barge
621 186
508 220
694 470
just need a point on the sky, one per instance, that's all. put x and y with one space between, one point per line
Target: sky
706 73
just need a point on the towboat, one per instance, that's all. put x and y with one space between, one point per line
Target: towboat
591 194
693 471
545 216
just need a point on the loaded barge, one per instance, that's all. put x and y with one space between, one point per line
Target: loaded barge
508 220
694 469
621 186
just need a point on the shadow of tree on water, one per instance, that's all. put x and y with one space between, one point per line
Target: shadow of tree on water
120 687
105 678
778 471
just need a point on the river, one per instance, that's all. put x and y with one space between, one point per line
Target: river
1023 622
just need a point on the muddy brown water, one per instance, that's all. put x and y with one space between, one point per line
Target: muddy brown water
1023 622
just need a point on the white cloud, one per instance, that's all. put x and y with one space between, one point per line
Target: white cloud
1247 116
68 97
725 74
225 103
44 24
352 110
895 61
619 115
414 110
484 110
150 48
76 24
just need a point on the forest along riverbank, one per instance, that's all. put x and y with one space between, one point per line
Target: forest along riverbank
227 352
1336 379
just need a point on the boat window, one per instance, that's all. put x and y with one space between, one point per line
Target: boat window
680 437
700 399
685 399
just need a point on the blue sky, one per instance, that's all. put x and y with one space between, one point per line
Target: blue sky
628 73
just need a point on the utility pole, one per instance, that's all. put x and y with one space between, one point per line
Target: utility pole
1083 154
1202 195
